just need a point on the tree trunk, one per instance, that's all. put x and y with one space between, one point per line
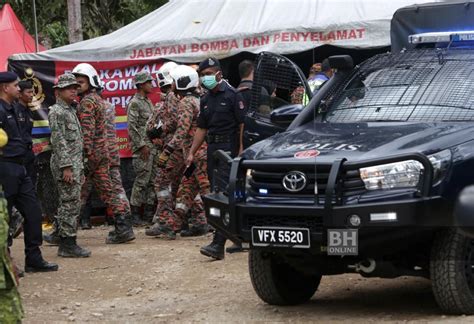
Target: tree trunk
74 20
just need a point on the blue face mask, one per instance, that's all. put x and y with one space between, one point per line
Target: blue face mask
209 81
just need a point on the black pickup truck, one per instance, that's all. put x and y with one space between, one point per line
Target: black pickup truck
364 180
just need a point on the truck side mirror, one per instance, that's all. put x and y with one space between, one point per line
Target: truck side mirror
464 211
283 116
341 62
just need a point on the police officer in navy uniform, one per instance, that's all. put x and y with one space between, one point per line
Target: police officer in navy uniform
220 122
25 118
25 121
17 185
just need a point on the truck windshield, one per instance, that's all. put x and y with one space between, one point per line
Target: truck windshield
422 85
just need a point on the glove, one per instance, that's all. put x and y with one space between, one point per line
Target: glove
155 131
164 156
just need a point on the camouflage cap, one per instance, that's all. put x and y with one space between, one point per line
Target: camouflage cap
65 80
142 77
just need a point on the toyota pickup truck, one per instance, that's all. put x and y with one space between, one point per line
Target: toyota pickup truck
364 180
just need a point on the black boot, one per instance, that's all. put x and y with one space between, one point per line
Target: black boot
154 230
136 216
68 248
199 230
216 248
236 248
53 237
85 217
123 231
40 265
148 214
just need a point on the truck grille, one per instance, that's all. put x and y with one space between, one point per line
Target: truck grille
314 223
268 183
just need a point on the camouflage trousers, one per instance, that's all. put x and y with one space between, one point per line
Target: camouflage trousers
167 184
189 198
118 194
11 310
69 207
143 191
99 177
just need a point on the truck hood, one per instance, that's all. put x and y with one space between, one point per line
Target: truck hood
360 141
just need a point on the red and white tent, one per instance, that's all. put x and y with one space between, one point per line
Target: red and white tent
15 38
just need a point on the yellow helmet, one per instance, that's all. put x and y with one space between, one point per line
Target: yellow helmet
3 138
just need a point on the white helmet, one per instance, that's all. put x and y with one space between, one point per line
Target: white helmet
163 75
185 77
88 70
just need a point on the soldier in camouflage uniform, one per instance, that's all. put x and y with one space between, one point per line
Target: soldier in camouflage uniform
92 118
11 310
144 152
186 81
67 164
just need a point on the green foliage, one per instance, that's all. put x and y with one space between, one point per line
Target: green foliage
99 17
57 33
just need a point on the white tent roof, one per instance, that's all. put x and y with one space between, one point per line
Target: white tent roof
191 30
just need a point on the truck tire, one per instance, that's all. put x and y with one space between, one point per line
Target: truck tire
277 283
452 275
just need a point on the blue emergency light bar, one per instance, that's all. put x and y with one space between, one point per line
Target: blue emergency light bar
441 37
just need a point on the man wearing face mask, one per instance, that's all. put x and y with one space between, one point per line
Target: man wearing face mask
220 122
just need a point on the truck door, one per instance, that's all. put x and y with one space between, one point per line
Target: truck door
278 83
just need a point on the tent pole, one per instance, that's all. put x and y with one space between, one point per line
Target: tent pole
36 25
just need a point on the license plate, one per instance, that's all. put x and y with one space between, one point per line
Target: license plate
281 237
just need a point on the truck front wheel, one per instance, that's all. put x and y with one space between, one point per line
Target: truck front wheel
452 272
278 283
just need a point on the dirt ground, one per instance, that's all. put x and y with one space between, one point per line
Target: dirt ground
152 280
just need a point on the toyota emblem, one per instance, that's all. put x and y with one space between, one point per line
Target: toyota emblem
294 181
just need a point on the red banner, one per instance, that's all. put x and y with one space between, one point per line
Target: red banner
117 77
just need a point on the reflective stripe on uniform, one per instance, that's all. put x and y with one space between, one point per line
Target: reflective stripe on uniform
163 193
182 207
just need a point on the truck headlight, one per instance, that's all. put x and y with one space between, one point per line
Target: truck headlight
405 174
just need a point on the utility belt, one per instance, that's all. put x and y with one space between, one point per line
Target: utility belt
17 160
216 139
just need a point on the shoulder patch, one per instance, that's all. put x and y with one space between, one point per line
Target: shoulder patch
241 105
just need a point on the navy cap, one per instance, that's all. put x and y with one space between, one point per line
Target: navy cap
6 77
209 62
